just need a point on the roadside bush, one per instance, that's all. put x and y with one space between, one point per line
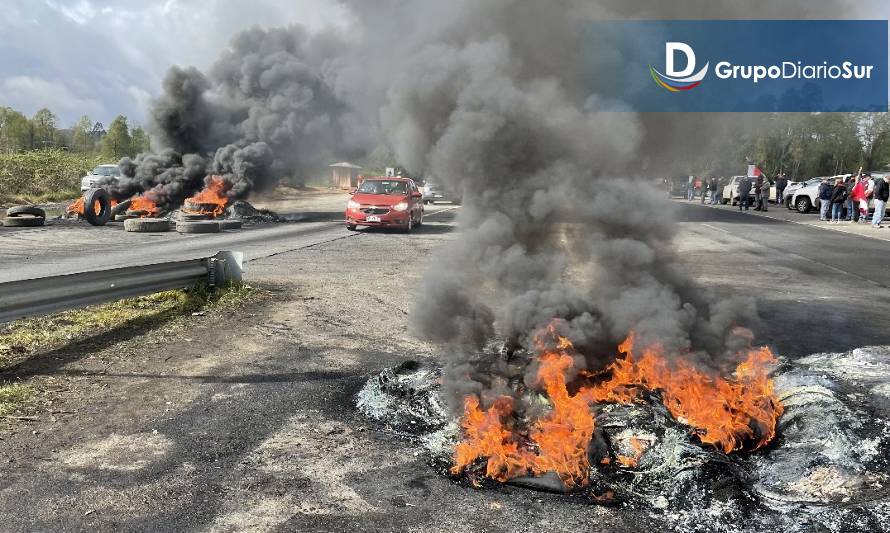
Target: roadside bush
43 175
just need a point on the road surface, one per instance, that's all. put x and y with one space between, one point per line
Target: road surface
71 247
245 420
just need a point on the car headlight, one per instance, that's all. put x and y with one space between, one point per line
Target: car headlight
353 205
401 207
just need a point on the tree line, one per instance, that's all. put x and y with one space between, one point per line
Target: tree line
802 145
18 133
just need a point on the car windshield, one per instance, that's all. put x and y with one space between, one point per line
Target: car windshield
391 188
106 171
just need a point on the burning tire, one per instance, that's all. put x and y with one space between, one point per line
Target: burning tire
90 199
230 224
23 222
13 212
200 226
137 213
147 225
121 208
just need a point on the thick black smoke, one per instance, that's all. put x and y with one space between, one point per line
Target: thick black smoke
263 112
485 98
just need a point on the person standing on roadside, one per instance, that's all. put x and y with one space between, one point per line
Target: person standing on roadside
690 189
758 201
882 195
714 185
825 192
860 197
781 185
744 193
838 199
764 194
852 208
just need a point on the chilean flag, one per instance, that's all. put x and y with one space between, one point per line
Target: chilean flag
754 171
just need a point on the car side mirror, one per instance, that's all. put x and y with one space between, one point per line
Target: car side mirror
416 195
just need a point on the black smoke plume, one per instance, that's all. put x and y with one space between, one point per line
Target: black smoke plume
484 97
263 112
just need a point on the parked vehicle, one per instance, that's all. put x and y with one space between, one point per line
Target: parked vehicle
434 192
794 186
386 202
731 192
91 180
806 198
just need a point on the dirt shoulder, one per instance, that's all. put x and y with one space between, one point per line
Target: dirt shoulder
246 420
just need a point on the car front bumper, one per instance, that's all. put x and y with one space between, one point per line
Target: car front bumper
374 218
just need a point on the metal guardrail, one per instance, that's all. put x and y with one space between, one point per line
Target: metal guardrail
21 299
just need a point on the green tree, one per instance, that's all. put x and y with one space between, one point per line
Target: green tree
139 142
875 135
117 143
81 140
44 129
15 131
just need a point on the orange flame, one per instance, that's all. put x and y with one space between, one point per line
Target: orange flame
639 447
141 203
212 201
726 412
79 207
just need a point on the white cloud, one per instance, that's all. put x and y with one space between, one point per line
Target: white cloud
111 55
25 92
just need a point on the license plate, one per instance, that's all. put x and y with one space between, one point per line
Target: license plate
373 219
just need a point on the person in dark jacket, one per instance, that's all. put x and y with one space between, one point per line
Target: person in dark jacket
781 185
838 199
852 210
825 191
744 193
882 195
758 201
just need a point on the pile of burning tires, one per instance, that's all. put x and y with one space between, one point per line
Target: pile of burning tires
138 221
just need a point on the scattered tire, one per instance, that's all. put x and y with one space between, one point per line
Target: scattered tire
198 226
137 213
122 218
90 199
192 217
230 224
121 208
147 225
23 222
13 212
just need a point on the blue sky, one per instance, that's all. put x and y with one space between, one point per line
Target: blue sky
105 57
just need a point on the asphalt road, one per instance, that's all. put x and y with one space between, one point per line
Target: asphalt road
817 288
245 420
71 247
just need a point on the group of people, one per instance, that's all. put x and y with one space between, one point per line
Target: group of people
711 191
848 199
845 199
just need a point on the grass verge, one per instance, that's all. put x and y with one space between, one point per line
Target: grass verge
16 398
19 340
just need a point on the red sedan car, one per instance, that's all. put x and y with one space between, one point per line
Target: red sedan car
385 202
